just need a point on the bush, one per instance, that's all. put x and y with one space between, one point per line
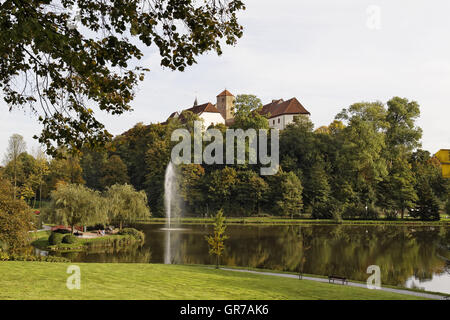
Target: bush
96 227
62 231
138 235
4 256
55 238
16 257
70 239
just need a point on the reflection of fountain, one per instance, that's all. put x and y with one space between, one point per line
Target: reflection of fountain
167 253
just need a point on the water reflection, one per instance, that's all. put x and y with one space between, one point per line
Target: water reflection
407 256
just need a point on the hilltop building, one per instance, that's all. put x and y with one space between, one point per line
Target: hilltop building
280 113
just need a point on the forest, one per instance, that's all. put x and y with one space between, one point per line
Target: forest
367 164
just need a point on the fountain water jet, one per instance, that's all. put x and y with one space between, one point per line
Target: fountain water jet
171 201
169 186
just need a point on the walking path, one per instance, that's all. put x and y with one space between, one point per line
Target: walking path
353 284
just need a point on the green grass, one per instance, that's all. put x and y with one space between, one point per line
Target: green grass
37 280
287 221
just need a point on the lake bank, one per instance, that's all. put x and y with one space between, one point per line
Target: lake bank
286 221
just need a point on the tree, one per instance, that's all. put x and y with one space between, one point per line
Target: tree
427 207
65 170
125 204
41 172
65 58
15 217
361 160
220 185
447 207
291 202
114 171
191 176
249 193
318 190
16 147
246 113
74 204
402 135
216 241
397 188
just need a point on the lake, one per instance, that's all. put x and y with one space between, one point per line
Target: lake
407 256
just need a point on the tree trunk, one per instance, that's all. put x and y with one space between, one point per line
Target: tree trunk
403 213
217 262
72 228
120 225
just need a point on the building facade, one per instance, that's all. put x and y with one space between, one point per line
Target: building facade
280 113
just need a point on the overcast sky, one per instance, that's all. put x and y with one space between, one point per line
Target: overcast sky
326 53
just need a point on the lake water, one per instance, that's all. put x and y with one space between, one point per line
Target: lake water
407 256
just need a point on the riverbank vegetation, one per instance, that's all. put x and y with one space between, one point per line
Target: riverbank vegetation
165 282
45 240
366 165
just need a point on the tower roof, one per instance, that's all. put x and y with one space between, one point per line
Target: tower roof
225 93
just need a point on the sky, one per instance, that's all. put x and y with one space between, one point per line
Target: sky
328 54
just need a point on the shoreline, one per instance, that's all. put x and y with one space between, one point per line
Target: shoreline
281 221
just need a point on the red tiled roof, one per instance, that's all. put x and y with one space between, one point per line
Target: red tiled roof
206 107
225 93
280 107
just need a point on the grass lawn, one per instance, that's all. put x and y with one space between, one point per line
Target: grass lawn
41 280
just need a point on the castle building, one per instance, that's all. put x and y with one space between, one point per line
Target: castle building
280 113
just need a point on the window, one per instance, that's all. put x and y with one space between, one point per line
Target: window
273 121
278 120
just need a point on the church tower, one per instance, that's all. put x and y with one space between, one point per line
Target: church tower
225 105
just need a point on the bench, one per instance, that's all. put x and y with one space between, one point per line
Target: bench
337 278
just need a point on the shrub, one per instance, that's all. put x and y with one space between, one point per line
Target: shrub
17 257
138 235
55 238
70 239
4 256
62 231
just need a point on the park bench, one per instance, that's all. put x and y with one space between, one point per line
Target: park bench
337 278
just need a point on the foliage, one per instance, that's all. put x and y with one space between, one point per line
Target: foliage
73 205
63 59
16 146
246 113
290 190
216 241
69 239
55 238
138 235
125 204
15 217
17 257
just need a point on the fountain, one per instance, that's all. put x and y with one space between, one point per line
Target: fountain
171 201
169 192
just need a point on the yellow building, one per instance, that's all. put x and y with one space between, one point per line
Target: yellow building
444 157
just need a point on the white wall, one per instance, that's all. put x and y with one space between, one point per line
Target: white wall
211 117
